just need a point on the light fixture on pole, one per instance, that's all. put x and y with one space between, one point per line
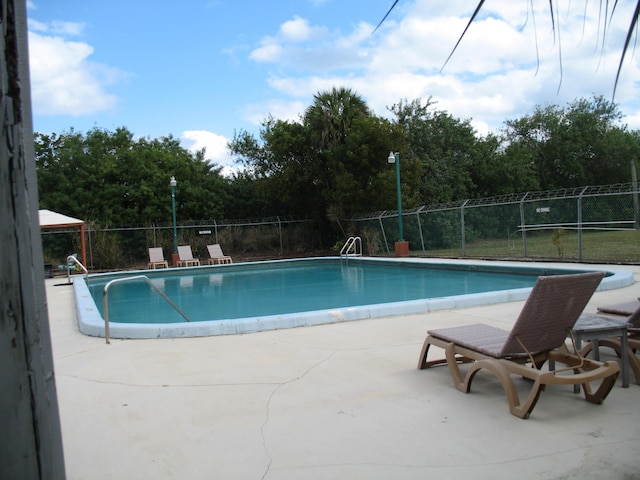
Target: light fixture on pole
402 247
395 158
173 184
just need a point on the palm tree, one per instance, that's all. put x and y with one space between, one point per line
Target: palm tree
608 13
332 114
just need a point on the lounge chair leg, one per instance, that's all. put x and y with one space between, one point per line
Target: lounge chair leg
502 374
422 360
456 375
602 391
524 410
634 363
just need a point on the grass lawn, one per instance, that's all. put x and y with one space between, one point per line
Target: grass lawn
599 246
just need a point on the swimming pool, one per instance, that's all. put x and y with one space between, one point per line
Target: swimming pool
249 297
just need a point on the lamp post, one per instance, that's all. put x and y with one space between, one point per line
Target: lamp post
402 247
173 184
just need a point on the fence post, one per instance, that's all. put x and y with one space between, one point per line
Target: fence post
462 226
420 227
89 226
384 235
523 225
636 203
580 223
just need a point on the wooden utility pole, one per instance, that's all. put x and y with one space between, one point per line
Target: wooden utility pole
30 439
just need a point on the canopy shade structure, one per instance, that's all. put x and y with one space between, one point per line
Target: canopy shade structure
52 220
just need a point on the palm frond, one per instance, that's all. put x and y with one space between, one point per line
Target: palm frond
632 27
385 17
633 30
475 14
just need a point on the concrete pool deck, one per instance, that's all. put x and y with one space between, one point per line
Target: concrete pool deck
331 401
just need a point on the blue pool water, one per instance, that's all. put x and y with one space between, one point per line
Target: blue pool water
257 296
282 288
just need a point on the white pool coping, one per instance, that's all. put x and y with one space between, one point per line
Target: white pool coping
91 323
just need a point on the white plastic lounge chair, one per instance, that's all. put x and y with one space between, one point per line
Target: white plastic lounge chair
156 258
538 336
186 257
216 257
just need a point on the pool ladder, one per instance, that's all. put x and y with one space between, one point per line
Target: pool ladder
105 299
71 259
351 248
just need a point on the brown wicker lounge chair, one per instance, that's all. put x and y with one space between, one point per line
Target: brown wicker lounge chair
186 257
216 257
538 336
625 309
156 258
633 340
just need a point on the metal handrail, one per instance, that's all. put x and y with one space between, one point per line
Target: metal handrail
353 247
77 262
105 300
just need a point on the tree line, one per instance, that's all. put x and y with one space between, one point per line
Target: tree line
332 163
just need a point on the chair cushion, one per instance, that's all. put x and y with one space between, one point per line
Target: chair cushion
625 309
478 336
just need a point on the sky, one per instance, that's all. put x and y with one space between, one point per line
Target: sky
202 70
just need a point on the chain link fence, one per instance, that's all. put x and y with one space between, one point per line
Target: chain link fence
121 247
588 224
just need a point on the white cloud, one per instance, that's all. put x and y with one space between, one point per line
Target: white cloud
286 109
269 52
215 147
303 46
57 27
632 121
63 79
299 29
66 28
277 48
510 60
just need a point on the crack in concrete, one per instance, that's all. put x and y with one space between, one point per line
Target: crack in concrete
163 385
268 405
461 465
